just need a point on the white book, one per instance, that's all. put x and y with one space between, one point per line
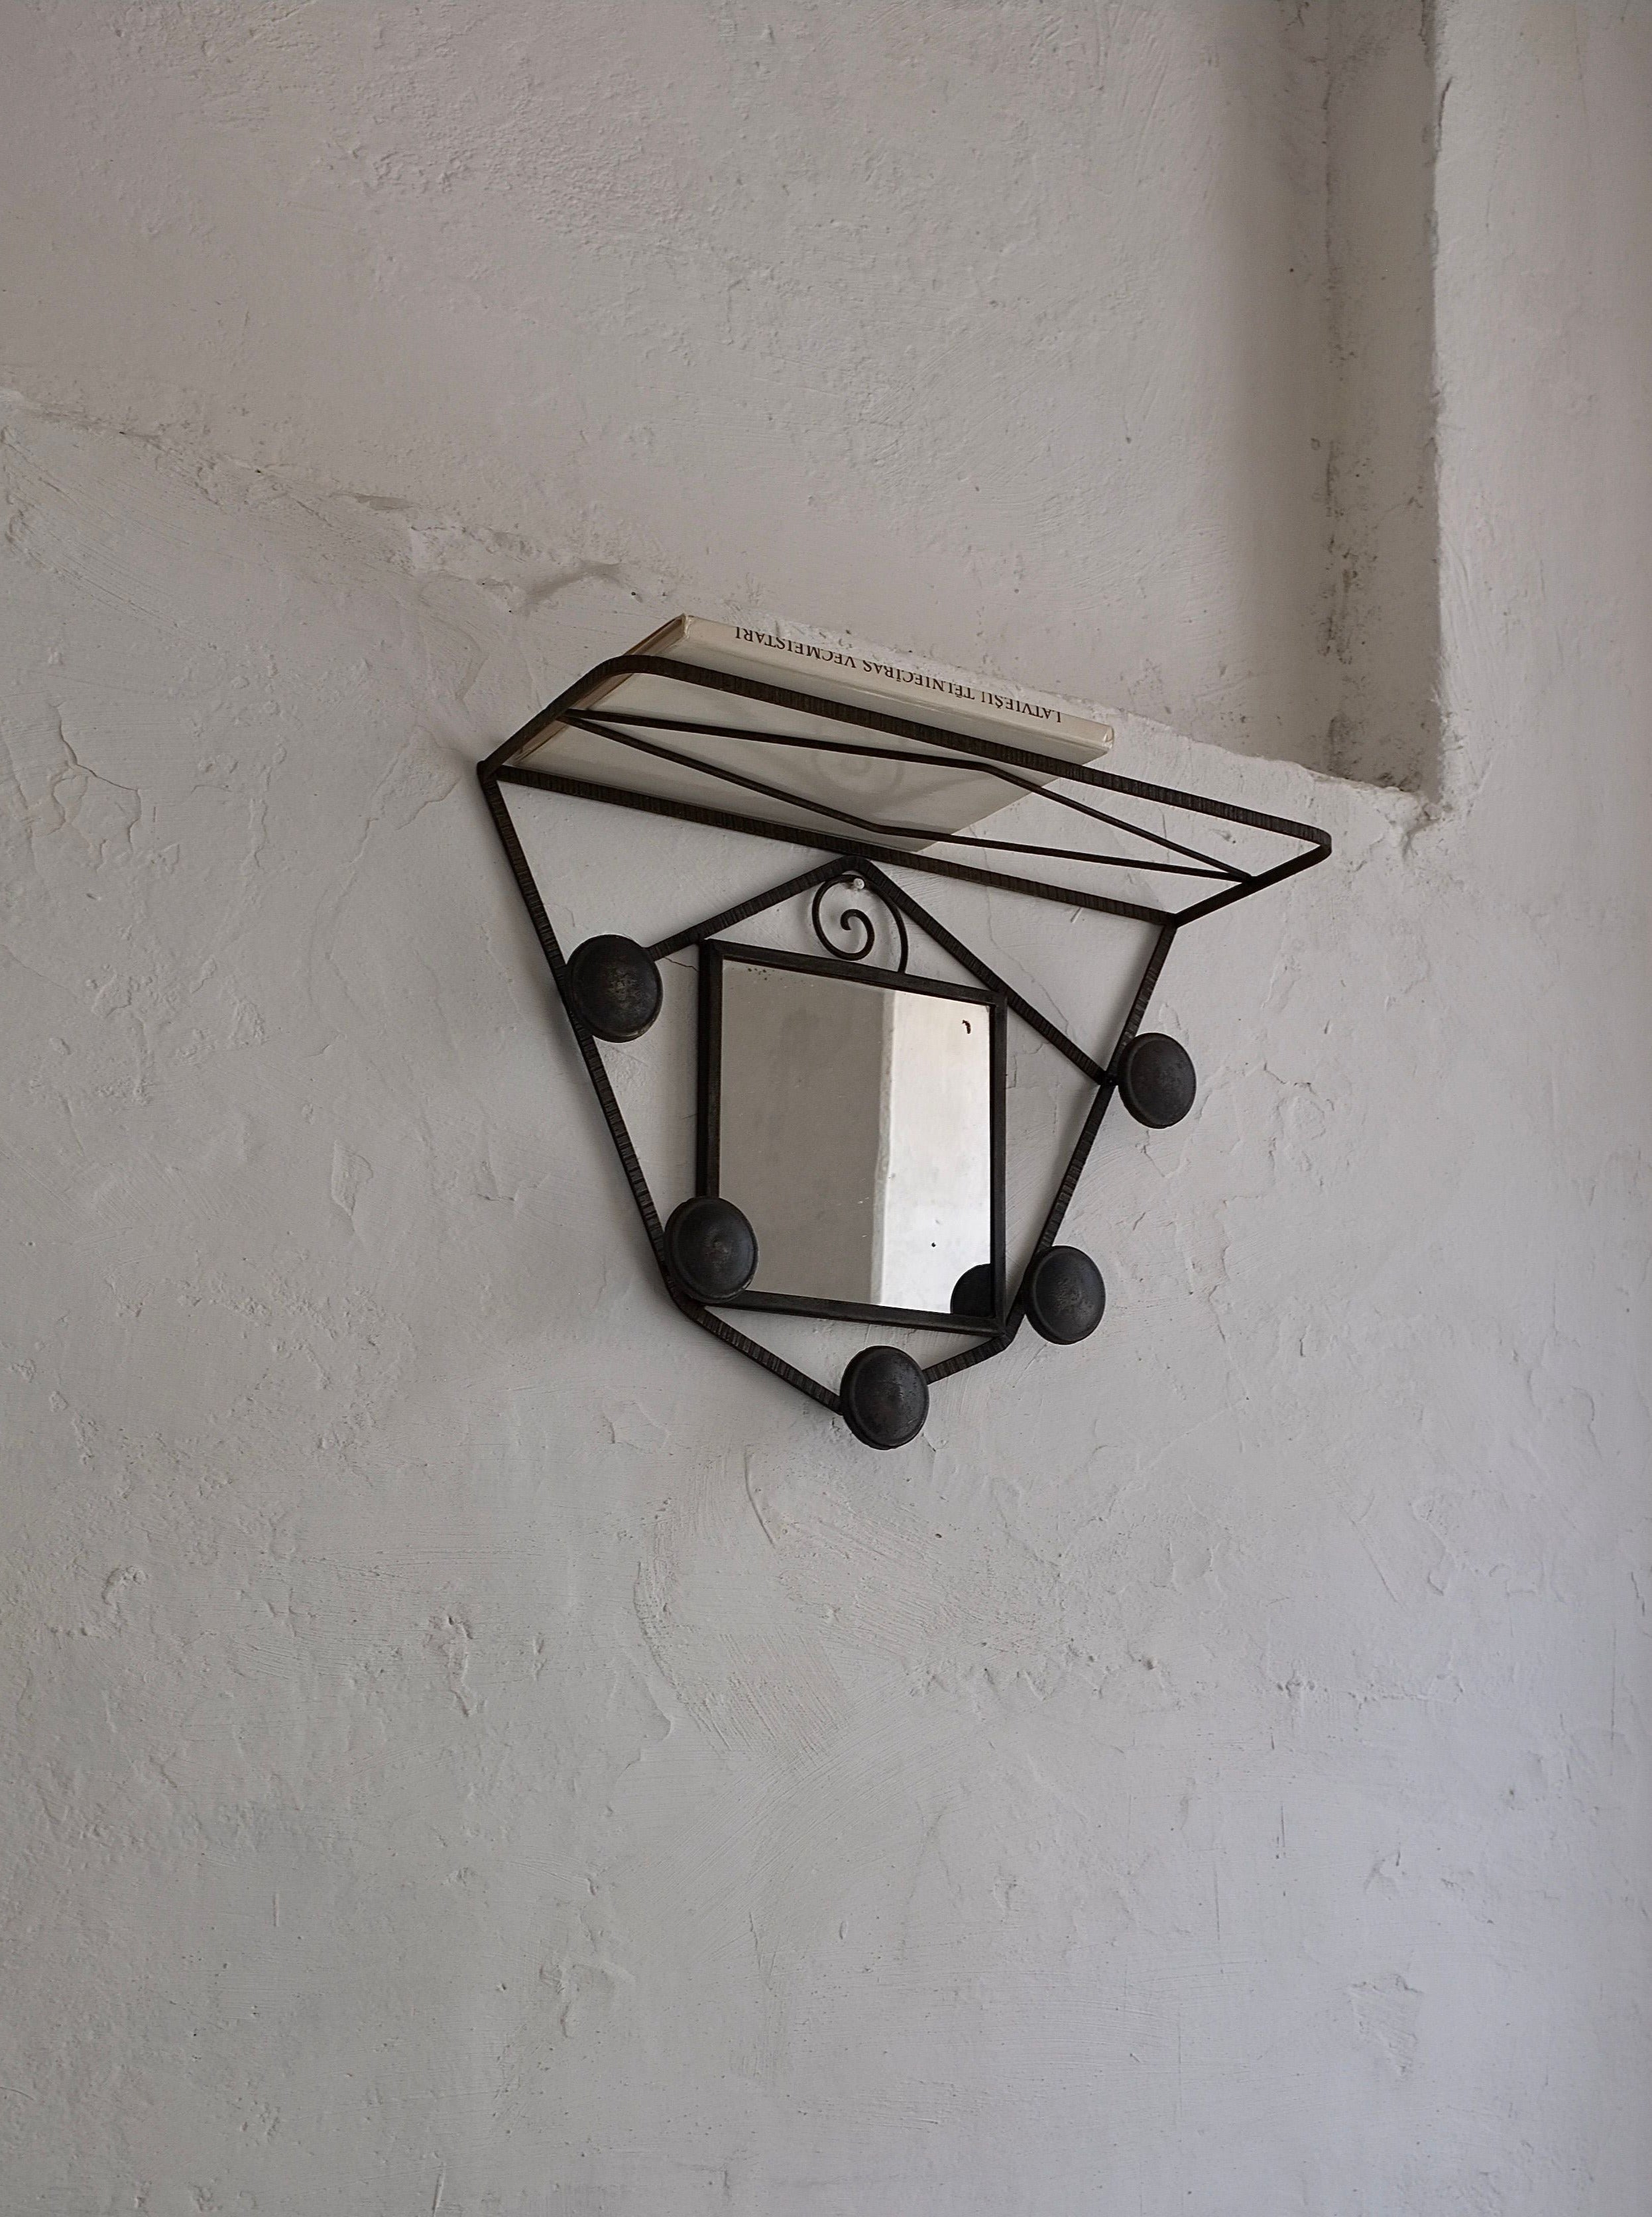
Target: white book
906 800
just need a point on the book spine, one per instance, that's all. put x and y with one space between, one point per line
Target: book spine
1032 716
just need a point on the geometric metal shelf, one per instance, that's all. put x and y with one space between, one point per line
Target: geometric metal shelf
779 763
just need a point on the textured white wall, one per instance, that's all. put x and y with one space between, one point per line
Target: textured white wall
472 1748
997 330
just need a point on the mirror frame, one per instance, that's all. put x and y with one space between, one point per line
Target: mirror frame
714 954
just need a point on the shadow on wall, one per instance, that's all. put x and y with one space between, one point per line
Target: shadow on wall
1337 393
1381 479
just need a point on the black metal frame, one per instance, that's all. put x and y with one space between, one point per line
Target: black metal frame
850 851
713 954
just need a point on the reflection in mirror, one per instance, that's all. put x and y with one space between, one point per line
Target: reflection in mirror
852 1121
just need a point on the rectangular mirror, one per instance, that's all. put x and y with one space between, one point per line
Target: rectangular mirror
856 1115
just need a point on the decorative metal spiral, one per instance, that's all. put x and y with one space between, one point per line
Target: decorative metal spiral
856 920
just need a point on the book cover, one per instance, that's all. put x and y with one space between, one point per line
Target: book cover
651 734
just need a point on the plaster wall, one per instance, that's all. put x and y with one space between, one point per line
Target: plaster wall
472 1748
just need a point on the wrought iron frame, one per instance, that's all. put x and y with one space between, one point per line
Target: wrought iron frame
853 846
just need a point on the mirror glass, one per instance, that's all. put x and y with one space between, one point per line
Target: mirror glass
853 1123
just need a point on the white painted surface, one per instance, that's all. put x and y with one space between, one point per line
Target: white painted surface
472 1748
934 1214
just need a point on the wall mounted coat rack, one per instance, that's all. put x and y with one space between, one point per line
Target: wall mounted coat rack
851 1127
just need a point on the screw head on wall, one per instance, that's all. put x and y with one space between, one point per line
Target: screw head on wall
1156 1081
1065 1297
884 1397
710 1249
615 985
